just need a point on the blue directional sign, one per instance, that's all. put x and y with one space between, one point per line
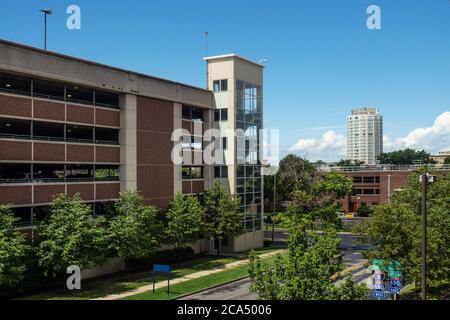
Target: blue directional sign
378 294
161 268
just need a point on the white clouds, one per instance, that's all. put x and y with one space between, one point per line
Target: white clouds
432 139
332 146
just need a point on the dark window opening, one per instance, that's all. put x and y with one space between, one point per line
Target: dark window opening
40 213
216 115
106 173
220 172
192 173
103 208
186 113
190 113
357 179
48 90
48 172
369 180
106 99
23 215
48 131
79 172
224 114
107 136
220 85
80 95
15 173
14 84
79 133
197 114
12 128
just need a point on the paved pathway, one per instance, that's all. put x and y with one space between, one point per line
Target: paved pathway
188 277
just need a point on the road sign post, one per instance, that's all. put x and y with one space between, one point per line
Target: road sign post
162 269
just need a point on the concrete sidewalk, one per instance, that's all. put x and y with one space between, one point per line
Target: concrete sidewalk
188 277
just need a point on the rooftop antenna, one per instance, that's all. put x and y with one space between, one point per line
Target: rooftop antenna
45 12
206 52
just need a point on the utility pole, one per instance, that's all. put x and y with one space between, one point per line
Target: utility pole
207 67
274 205
424 180
45 12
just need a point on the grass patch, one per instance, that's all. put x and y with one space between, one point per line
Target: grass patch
410 292
119 284
202 283
104 287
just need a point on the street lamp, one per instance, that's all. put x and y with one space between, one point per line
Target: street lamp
45 12
268 170
425 179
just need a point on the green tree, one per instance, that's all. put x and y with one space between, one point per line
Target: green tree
13 250
294 174
349 163
405 157
183 221
306 272
135 230
222 218
395 229
70 236
447 160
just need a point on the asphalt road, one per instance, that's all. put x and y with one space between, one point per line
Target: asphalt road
240 290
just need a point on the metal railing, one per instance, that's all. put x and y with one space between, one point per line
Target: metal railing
384 168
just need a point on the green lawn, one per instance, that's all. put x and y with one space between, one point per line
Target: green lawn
104 287
192 286
410 292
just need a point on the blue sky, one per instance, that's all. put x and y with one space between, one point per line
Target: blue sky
322 60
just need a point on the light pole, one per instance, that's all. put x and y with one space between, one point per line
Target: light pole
268 170
45 12
425 179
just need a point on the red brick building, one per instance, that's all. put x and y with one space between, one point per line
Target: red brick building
374 185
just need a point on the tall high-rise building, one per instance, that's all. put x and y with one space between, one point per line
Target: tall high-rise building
365 135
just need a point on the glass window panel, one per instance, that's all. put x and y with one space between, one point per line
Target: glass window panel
224 85
224 114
